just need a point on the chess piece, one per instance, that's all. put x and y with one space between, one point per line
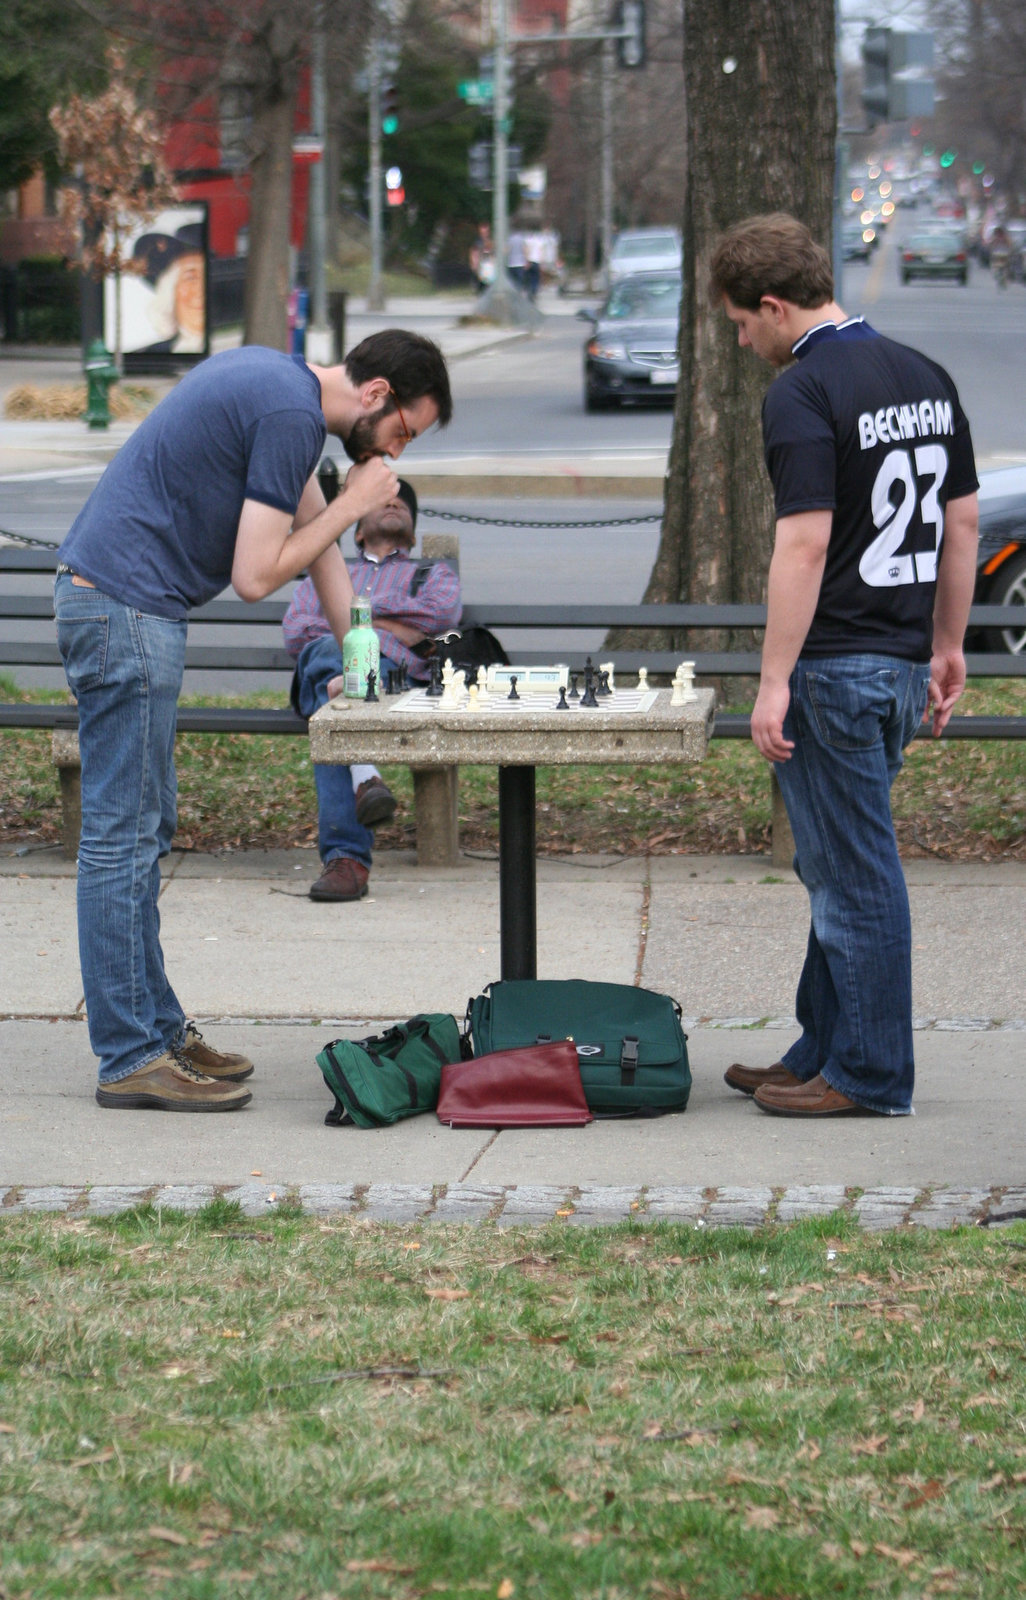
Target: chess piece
482 683
603 683
608 668
575 693
588 697
434 688
474 703
513 687
677 697
372 680
642 679
562 704
687 671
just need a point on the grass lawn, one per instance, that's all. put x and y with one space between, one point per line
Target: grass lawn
959 800
294 1409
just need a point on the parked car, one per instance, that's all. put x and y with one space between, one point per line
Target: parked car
1001 561
632 352
643 250
857 242
935 254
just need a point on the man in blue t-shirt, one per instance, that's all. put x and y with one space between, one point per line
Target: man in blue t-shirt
217 486
870 583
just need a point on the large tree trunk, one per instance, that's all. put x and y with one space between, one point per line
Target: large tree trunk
265 306
759 103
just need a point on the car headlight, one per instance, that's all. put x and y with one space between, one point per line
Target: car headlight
608 349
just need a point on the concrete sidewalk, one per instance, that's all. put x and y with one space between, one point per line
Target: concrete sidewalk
267 971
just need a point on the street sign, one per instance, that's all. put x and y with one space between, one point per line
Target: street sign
477 91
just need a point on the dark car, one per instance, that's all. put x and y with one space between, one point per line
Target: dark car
1001 562
937 253
632 352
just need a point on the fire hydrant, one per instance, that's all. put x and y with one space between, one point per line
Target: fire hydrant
100 373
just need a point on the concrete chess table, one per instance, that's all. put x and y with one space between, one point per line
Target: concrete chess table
433 742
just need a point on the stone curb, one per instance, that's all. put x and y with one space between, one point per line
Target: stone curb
534 1205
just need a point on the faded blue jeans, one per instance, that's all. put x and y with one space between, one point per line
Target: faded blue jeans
125 670
338 832
850 718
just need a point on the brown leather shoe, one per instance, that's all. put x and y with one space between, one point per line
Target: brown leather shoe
375 803
341 879
748 1079
813 1099
223 1064
171 1084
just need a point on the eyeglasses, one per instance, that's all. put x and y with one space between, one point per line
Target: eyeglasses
407 435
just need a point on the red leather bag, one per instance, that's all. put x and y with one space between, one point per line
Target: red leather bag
533 1086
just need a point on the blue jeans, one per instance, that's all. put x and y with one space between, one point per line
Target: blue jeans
338 832
850 718
125 670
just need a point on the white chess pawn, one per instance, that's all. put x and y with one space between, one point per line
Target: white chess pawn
678 698
475 703
482 683
687 672
642 679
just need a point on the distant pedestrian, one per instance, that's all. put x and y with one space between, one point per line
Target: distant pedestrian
482 257
217 486
870 583
516 257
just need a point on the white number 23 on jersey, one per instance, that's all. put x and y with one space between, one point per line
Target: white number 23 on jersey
919 476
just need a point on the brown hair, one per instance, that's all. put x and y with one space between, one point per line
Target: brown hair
774 254
412 365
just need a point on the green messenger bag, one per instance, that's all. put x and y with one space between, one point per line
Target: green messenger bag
396 1074
632 1050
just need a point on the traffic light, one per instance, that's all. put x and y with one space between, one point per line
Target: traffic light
479 158
389 107
631 47
896 86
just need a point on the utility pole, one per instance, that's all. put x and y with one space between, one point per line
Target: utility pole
607 150
503 302
375 292
318 333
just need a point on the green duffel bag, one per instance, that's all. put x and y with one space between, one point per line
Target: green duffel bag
396 1074
632 1050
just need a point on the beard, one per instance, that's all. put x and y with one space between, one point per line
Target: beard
361 440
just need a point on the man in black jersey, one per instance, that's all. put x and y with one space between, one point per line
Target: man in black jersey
870 583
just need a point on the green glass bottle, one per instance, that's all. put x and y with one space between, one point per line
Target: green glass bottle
361 653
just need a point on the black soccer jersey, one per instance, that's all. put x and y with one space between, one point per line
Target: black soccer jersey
874 432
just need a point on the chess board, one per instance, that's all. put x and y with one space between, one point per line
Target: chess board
622 702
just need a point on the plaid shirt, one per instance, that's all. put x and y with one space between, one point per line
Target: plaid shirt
435 606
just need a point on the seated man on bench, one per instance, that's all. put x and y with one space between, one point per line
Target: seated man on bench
411 601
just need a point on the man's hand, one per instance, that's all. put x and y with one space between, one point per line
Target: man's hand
768 722
369 485
947 684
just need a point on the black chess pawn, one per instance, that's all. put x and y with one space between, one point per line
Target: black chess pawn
575 693
434 688
603 684
588 697
562 704
372 682
513 688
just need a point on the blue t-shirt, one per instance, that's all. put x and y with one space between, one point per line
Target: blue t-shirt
874 432
158 531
